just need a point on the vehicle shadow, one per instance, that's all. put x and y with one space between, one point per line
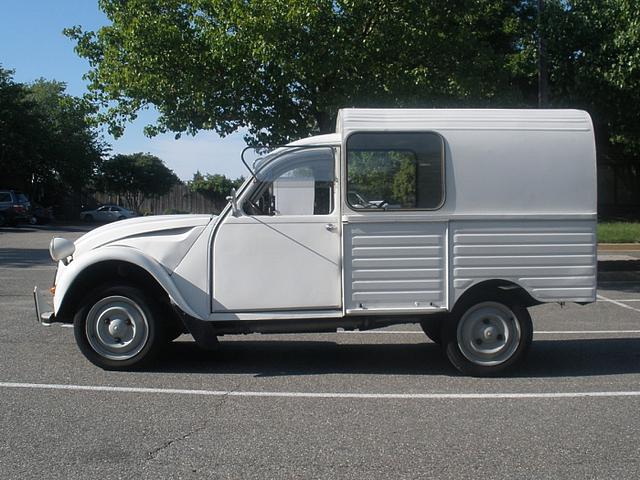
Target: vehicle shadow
267 358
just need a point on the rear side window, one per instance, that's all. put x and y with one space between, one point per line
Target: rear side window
395 171
5 197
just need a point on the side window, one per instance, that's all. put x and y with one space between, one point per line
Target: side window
395 171
5 197
298 182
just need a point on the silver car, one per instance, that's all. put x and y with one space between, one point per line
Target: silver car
106 213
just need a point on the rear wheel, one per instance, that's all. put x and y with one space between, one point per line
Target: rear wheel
88 218
487 337
119 327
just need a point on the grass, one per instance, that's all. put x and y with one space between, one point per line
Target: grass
619 232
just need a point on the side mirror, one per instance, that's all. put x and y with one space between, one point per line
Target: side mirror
234 203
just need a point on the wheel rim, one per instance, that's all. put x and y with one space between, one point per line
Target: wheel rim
117 328
488 334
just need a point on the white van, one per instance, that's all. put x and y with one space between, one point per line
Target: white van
455 219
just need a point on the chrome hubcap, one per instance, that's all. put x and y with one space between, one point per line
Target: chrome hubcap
117 328
488 333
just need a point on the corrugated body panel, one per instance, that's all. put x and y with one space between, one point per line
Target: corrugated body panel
395 266
553 260
360 119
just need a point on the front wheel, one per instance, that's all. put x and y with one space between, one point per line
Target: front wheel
488 337
118 328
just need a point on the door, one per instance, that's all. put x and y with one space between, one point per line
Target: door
395 236
282 251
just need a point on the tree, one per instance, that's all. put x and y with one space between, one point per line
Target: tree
594 56
23 134
216 186
282 69
136 177
75 149
48 146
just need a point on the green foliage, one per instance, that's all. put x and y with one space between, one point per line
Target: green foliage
47 144
136 177
215 187
594 60
388 176
619 232
282 69
404 182
23 134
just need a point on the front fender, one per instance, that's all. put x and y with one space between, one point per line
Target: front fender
65 282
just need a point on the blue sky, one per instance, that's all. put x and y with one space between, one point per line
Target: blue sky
32 44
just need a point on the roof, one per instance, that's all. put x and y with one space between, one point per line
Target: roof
362 119
328 139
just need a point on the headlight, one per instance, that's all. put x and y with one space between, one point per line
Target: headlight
61 249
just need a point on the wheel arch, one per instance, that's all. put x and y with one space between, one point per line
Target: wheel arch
113 263
504 288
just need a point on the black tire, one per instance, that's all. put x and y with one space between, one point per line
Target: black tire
121 217
432 327
88 218
487 337
119 327
3 220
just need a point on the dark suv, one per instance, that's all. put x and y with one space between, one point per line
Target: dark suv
14 208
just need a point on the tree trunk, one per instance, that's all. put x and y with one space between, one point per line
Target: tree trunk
326 122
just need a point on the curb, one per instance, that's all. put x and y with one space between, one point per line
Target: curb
619 247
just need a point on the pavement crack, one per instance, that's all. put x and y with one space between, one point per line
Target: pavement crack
152 454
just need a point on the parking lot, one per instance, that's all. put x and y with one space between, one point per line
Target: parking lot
377 404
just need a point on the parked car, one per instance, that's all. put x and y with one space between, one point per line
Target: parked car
15 208
106 213
490 212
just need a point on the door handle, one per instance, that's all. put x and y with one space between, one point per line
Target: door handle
330 226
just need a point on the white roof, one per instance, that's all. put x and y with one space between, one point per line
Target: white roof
328 139
361 119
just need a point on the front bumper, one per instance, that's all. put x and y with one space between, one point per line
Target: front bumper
44 315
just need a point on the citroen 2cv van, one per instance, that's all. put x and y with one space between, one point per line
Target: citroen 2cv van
458 220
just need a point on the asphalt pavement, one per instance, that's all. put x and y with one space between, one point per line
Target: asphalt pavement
377 404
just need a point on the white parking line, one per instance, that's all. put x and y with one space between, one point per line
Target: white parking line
541 332
338 395
620 304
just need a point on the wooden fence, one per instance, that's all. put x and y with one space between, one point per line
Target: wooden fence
179 200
